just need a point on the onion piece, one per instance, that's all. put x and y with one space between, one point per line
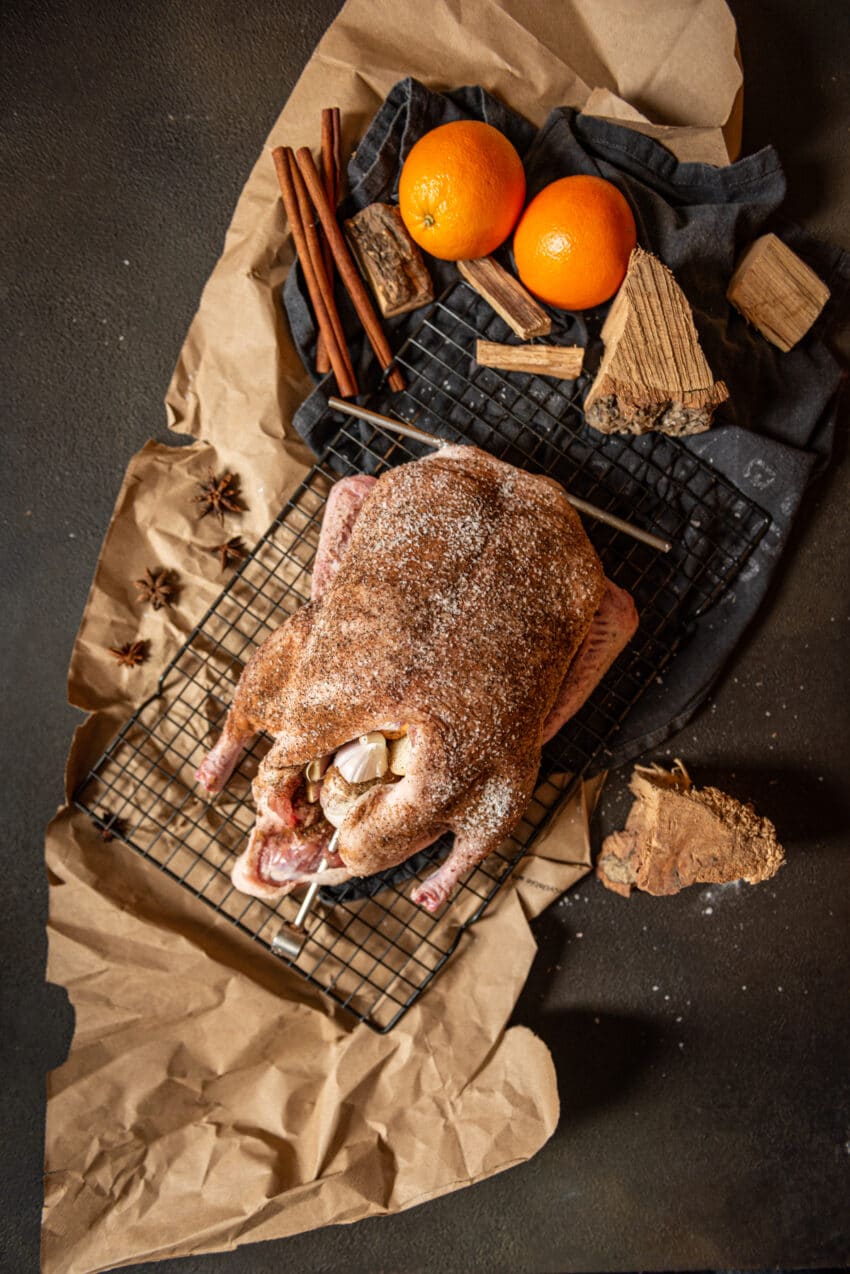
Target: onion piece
399 751
363 759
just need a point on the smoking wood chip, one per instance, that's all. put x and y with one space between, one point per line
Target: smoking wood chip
390 261
507 297
776 292
562 361
677 835
653 374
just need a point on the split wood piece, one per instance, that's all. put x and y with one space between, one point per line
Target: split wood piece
348 272
777 292
653 374
562 361
507 297
677 835
332 179
321 296
390 260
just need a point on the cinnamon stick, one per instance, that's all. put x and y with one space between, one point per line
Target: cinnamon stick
331 154
314 276
314 253
330 177
348 271
336 150
314 248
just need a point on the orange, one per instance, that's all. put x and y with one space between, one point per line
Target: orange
573 242
461 190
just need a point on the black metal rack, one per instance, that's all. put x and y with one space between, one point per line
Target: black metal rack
368 947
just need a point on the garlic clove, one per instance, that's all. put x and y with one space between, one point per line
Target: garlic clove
338 795
364 758
313 790
399 755
316 769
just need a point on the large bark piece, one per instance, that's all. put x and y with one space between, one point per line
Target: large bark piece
653 374
676 835
389 259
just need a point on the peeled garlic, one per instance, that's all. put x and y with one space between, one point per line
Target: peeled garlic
399 750
364 758
313 791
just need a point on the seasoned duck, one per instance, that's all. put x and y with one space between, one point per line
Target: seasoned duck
459 615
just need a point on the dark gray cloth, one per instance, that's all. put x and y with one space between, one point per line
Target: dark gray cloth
774 433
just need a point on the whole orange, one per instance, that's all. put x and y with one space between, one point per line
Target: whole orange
573 242
461 190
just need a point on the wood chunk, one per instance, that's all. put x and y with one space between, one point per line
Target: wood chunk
507 297
653 374
776 292
677 835
563 361
390 261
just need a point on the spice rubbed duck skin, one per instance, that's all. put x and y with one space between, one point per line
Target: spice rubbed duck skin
458 606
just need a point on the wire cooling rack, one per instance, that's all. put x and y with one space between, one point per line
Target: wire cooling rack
368 947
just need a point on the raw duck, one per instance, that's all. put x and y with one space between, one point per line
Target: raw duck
456 604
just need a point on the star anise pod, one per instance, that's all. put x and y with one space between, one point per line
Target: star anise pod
157 588
130 654
219 495
232 551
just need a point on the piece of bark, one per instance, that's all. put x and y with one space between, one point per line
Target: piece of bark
776 292
562 361
677 835
389 259
506 296
653 374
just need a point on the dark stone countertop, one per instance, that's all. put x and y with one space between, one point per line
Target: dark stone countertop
705 1124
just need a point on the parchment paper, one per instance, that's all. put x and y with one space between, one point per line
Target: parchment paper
211 1097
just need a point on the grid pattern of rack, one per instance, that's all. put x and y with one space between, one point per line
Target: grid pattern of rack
368 946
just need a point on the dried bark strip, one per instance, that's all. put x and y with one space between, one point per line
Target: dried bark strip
562 361
507 297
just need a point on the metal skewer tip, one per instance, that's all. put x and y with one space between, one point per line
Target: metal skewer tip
431 440
290 938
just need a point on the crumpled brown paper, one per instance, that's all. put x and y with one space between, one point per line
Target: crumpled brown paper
211 1097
